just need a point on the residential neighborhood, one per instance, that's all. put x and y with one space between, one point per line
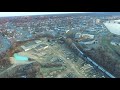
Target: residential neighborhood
60 46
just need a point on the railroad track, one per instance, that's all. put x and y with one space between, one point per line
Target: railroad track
84 56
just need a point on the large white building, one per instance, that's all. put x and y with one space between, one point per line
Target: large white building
79 35
88 36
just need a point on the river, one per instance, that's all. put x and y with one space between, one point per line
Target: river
113 27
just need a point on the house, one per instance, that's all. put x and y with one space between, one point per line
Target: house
88 36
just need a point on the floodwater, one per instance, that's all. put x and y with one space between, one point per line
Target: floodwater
113 27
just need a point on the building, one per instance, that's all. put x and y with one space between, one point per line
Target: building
67 31
29 46
97 21
115 43
78 35
41 47
88 36
88 41
37 45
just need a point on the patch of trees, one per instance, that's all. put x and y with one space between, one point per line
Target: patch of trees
4 62
70 34
68 41
79 47
71 46
106 60
30 70
50 65
4 59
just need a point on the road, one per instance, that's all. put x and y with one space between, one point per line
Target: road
71 65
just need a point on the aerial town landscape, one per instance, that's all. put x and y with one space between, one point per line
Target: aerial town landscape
60 46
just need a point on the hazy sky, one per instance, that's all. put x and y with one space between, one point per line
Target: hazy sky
6 14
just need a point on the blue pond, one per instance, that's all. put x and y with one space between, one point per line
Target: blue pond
20 58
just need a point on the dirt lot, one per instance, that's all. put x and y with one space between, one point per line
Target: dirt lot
68 64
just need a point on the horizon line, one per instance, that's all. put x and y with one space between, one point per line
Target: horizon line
13 14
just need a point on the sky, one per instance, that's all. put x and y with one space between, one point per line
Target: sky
7 14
